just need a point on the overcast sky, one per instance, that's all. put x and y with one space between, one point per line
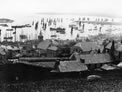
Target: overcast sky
85 7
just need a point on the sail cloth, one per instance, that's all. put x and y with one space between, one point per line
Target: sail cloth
72 66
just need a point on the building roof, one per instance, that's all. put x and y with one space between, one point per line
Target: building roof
75 56
78 45
2 52
72 66
87 46
96 58
55 42
40 64
109 45
9 47
119 48
54 48
44 45
108 67
120 64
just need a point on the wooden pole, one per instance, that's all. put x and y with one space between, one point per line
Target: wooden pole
15 35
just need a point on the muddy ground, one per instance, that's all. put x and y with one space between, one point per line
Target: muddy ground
23 78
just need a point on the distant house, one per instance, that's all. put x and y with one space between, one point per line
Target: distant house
55 43
3 58
76 48
108 47
64 51
48 48
44 45
85 47
92 60
118 53
52 51
72 66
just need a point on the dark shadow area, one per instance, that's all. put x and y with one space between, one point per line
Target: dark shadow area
22 72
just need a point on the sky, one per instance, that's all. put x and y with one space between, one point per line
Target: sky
15 8
22 9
